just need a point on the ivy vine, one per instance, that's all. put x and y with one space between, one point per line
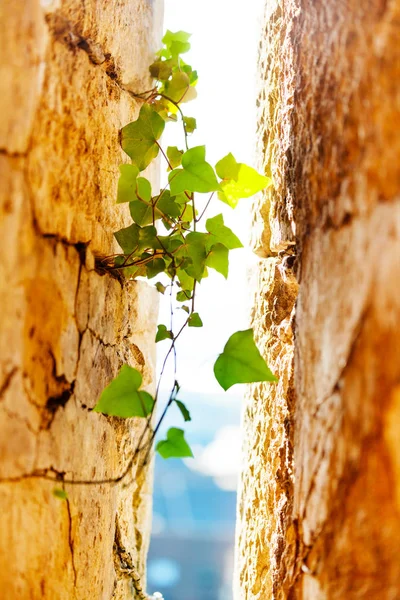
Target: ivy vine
167 236
171 235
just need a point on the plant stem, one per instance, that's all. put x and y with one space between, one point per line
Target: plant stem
206 206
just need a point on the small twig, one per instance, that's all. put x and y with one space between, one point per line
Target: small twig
206 206
164 155
182 117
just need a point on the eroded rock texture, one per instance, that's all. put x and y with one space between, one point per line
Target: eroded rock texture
319 507
66 329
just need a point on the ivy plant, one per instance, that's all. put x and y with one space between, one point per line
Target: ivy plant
173 234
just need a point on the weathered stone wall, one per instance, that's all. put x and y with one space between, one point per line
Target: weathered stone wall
66 329
319 506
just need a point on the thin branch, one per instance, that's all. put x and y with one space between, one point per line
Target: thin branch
182 117
202 214
164 155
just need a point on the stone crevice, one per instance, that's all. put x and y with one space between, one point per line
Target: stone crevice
67 33
71 542
7 381
124 565
337 386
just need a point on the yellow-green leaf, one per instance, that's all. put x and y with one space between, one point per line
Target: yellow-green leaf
139 138
61 494
238 180
127 183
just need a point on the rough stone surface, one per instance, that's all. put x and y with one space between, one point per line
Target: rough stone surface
319 513
66 329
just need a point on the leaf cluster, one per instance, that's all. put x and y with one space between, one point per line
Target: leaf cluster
169 235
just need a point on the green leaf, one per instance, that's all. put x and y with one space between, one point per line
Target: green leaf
163 333
227 167
241 362
128 238
175 446
195 176
139 138
122 397
193 76
185 280
195 321
62 494
176 43
182 198
143 189
148 238
239 180
131 187
167 205
141 213
184 295
164 53
186 215
218 259
161 69
165 109
170 243
127 183
222 234
190 124
160 287
155 267
132 271
196 250
174 156
184 411
178 88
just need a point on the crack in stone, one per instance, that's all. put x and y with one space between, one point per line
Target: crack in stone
17 417
71 541
338 383
6 152
7 381
55 402
123 563
66 32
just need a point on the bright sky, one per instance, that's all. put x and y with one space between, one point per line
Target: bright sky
225 36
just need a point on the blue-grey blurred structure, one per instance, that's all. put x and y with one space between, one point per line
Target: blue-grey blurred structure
191 553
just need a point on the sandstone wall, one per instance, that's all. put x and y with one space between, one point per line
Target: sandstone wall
66 329
319 506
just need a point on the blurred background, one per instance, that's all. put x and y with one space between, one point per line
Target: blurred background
191 552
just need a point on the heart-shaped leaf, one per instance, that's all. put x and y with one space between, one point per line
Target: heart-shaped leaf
175 446
122 397
196 174
139 138
195 320
222 234
241 362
